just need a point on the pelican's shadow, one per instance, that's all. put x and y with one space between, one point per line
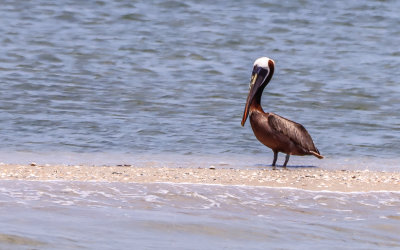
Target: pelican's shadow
287 166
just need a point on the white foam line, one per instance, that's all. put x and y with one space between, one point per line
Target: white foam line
220 185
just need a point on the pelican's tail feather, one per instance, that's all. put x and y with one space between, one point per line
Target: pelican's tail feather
317 155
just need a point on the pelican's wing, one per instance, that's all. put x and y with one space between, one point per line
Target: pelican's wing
294 131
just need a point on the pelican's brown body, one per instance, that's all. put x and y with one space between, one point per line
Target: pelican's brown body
274 131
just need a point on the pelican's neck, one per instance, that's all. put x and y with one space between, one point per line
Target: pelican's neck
256 104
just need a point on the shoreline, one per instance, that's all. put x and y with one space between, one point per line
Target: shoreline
311 179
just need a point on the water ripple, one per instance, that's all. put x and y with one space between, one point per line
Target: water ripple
171 76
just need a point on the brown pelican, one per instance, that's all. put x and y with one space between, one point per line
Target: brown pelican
272 130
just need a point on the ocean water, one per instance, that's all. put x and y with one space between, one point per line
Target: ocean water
76 215
165 77
164 83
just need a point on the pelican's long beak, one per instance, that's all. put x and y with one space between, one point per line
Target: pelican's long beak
255 84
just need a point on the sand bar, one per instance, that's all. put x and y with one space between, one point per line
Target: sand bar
308 178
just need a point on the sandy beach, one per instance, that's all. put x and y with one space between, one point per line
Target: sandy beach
307 178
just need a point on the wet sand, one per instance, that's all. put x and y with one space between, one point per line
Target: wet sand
305 178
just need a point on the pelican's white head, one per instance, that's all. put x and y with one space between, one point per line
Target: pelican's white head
261 68
263 62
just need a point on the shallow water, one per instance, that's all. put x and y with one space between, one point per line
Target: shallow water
164 83
50 215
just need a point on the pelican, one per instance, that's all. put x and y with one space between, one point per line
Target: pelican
274 131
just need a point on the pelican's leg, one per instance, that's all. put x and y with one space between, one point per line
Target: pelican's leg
286 161
274 161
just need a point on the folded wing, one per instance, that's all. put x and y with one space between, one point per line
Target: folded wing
294 131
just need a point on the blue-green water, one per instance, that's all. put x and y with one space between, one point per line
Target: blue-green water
172 78
71 215
165 82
